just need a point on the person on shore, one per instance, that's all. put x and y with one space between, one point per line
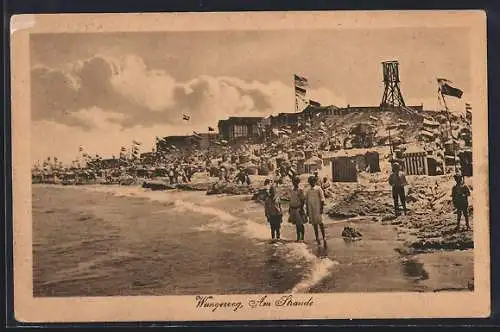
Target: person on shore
315 203
171 175
460 197
242 177
297 215
274 214
267 184
397 181
325 185
188 172
316 176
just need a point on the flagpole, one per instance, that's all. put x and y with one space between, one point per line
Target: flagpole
295 95
450 131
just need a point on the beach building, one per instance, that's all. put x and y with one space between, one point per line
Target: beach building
315 110
285 119
180 142
207 140
241 128
110 163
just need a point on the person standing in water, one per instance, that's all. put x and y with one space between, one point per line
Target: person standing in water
315 203
296 209
274 214
459 195
397 180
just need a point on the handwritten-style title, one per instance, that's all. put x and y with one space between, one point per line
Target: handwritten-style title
213 304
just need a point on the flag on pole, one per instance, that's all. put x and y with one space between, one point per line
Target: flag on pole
136 142
80 148
300 92
301 84
446 88
211 129
468 111
300 81
123 149
185 117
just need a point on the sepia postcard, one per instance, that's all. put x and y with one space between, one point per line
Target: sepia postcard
250 166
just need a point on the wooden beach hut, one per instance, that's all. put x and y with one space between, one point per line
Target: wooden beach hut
372 161
308 154
313 164
300 162
415 162
360 162
344 169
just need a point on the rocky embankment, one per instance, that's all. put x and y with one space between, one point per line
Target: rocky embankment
430 223
163 185
230 189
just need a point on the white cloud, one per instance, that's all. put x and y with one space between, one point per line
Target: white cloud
151 88
141 103
50 138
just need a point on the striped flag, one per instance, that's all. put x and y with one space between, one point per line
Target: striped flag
468 107
301 85
299 92
136 142
446 88
300 81
80 148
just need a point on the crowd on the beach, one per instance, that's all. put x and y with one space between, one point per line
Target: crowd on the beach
307 205
275 159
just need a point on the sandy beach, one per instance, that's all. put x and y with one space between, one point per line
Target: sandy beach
118 240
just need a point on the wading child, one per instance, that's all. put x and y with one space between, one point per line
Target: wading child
296 209
459 195
274 214
315 202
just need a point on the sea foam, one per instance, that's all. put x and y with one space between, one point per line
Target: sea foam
225 222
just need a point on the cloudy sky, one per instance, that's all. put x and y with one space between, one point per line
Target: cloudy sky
103 90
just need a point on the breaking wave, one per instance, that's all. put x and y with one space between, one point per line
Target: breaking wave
318 268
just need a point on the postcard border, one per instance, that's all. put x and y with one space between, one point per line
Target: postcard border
395 305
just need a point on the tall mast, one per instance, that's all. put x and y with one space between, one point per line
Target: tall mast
450 132
295 95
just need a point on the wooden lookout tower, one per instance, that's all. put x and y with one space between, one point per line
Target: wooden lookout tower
392 97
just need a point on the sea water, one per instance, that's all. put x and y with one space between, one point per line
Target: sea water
126 240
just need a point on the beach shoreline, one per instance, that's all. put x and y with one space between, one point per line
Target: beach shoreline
323 264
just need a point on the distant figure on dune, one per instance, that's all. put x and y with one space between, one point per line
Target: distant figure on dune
315 203
397 180
459 195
